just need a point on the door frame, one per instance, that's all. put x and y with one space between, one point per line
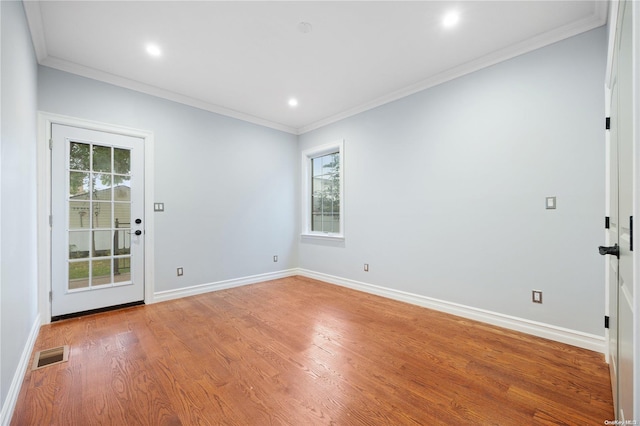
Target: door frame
635 76
45 121
612 21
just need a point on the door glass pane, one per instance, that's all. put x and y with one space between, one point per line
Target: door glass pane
79 214
121 161
79 185
122 189
100 272
101 158
78 275
122 269
122 242
79 156
102 215
101 243
79 244
101 186
122 213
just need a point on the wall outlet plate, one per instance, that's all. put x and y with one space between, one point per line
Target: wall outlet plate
550 203
180 272
536 296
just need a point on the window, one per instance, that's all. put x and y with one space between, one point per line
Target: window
323 191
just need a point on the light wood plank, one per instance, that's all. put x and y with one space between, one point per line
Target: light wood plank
297 351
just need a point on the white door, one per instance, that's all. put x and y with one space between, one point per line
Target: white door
621 210
97 226
625 211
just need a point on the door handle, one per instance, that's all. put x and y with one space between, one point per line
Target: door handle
613 250
138 232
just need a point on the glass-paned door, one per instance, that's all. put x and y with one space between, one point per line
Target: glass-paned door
97 219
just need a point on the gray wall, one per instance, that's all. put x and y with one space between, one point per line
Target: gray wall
445 189
18 227
229 187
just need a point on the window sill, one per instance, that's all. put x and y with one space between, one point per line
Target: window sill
326 237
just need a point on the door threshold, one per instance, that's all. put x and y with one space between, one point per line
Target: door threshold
95 311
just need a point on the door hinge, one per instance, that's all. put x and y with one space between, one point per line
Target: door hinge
606 222
50 144
630 233
50 220
50 296
606 321
607 123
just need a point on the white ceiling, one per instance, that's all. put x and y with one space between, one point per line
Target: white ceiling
246 59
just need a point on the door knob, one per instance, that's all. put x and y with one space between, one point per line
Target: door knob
613 250
138 221
138 232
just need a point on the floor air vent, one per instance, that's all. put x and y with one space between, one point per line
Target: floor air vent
51 356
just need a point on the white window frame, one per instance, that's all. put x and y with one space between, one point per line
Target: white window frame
307 156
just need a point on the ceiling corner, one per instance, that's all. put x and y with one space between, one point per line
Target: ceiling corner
602 11
36 28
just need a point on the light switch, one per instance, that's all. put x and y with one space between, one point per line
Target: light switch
158 207
550 203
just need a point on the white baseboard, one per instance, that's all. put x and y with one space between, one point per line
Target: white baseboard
221 285
14 390
548 331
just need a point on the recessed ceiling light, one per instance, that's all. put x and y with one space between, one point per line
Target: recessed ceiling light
305 27
153 50
450 19
293 102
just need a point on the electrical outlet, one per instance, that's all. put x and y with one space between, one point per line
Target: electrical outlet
366 267
550 203
275 258
180 272
536 296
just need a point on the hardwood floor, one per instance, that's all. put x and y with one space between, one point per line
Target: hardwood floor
300 352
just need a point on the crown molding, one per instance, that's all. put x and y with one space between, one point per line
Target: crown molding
34 19
137 86
597 19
